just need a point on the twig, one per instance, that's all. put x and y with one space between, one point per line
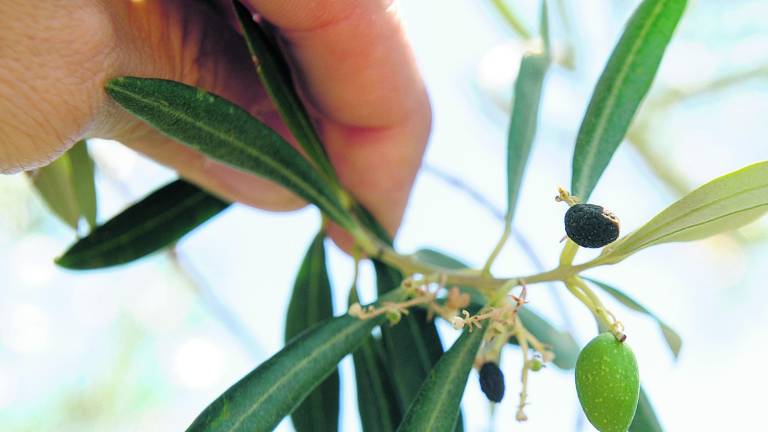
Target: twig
520 238
214 305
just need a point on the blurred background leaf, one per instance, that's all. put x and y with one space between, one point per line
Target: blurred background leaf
67 186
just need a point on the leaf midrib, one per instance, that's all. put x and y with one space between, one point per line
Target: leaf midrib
140 229
369 358
615 90
453 370
237 143
329 343
693 210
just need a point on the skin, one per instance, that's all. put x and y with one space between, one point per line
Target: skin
351 59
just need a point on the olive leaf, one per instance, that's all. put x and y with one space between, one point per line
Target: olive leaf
274 389
621 88
225 132
83 183
544 30
674 341
522 124
436 407
311 303
151 224
723 204
55 188
67 186
377 400
412 346
275 76
563 345
645 418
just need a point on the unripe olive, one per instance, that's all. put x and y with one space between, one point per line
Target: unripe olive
608 383
535 365
591 226
492 382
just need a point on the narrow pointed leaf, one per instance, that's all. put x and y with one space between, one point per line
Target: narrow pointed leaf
151 224
621 88
227 133
436 407
83 182
412 346
544 29
54 183
563 345
523 123
670 336
645 418
310 304
723 204
273 390
376 395
275 76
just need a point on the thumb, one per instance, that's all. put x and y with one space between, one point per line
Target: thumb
188 42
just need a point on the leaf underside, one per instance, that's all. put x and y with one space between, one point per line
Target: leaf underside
723 204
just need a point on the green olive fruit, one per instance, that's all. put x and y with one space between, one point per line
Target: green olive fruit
591 226
608 383
535 365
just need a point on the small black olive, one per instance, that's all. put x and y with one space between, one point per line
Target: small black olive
492 382
591 226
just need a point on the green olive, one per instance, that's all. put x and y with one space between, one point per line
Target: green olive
608 383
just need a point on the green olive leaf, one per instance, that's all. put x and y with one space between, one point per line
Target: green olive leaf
311 303
563 345
645 418
544 30
674 341
151 224
436 406
83 183
225 132
67 186
723 204
54 184
377 399
621 88
412 346
273 390
275 76
523 123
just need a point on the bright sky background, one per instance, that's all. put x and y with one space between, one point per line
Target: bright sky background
139 348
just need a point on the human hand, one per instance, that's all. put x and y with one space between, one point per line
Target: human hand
354 67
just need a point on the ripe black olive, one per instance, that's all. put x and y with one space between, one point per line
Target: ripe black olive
492 382
591 226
